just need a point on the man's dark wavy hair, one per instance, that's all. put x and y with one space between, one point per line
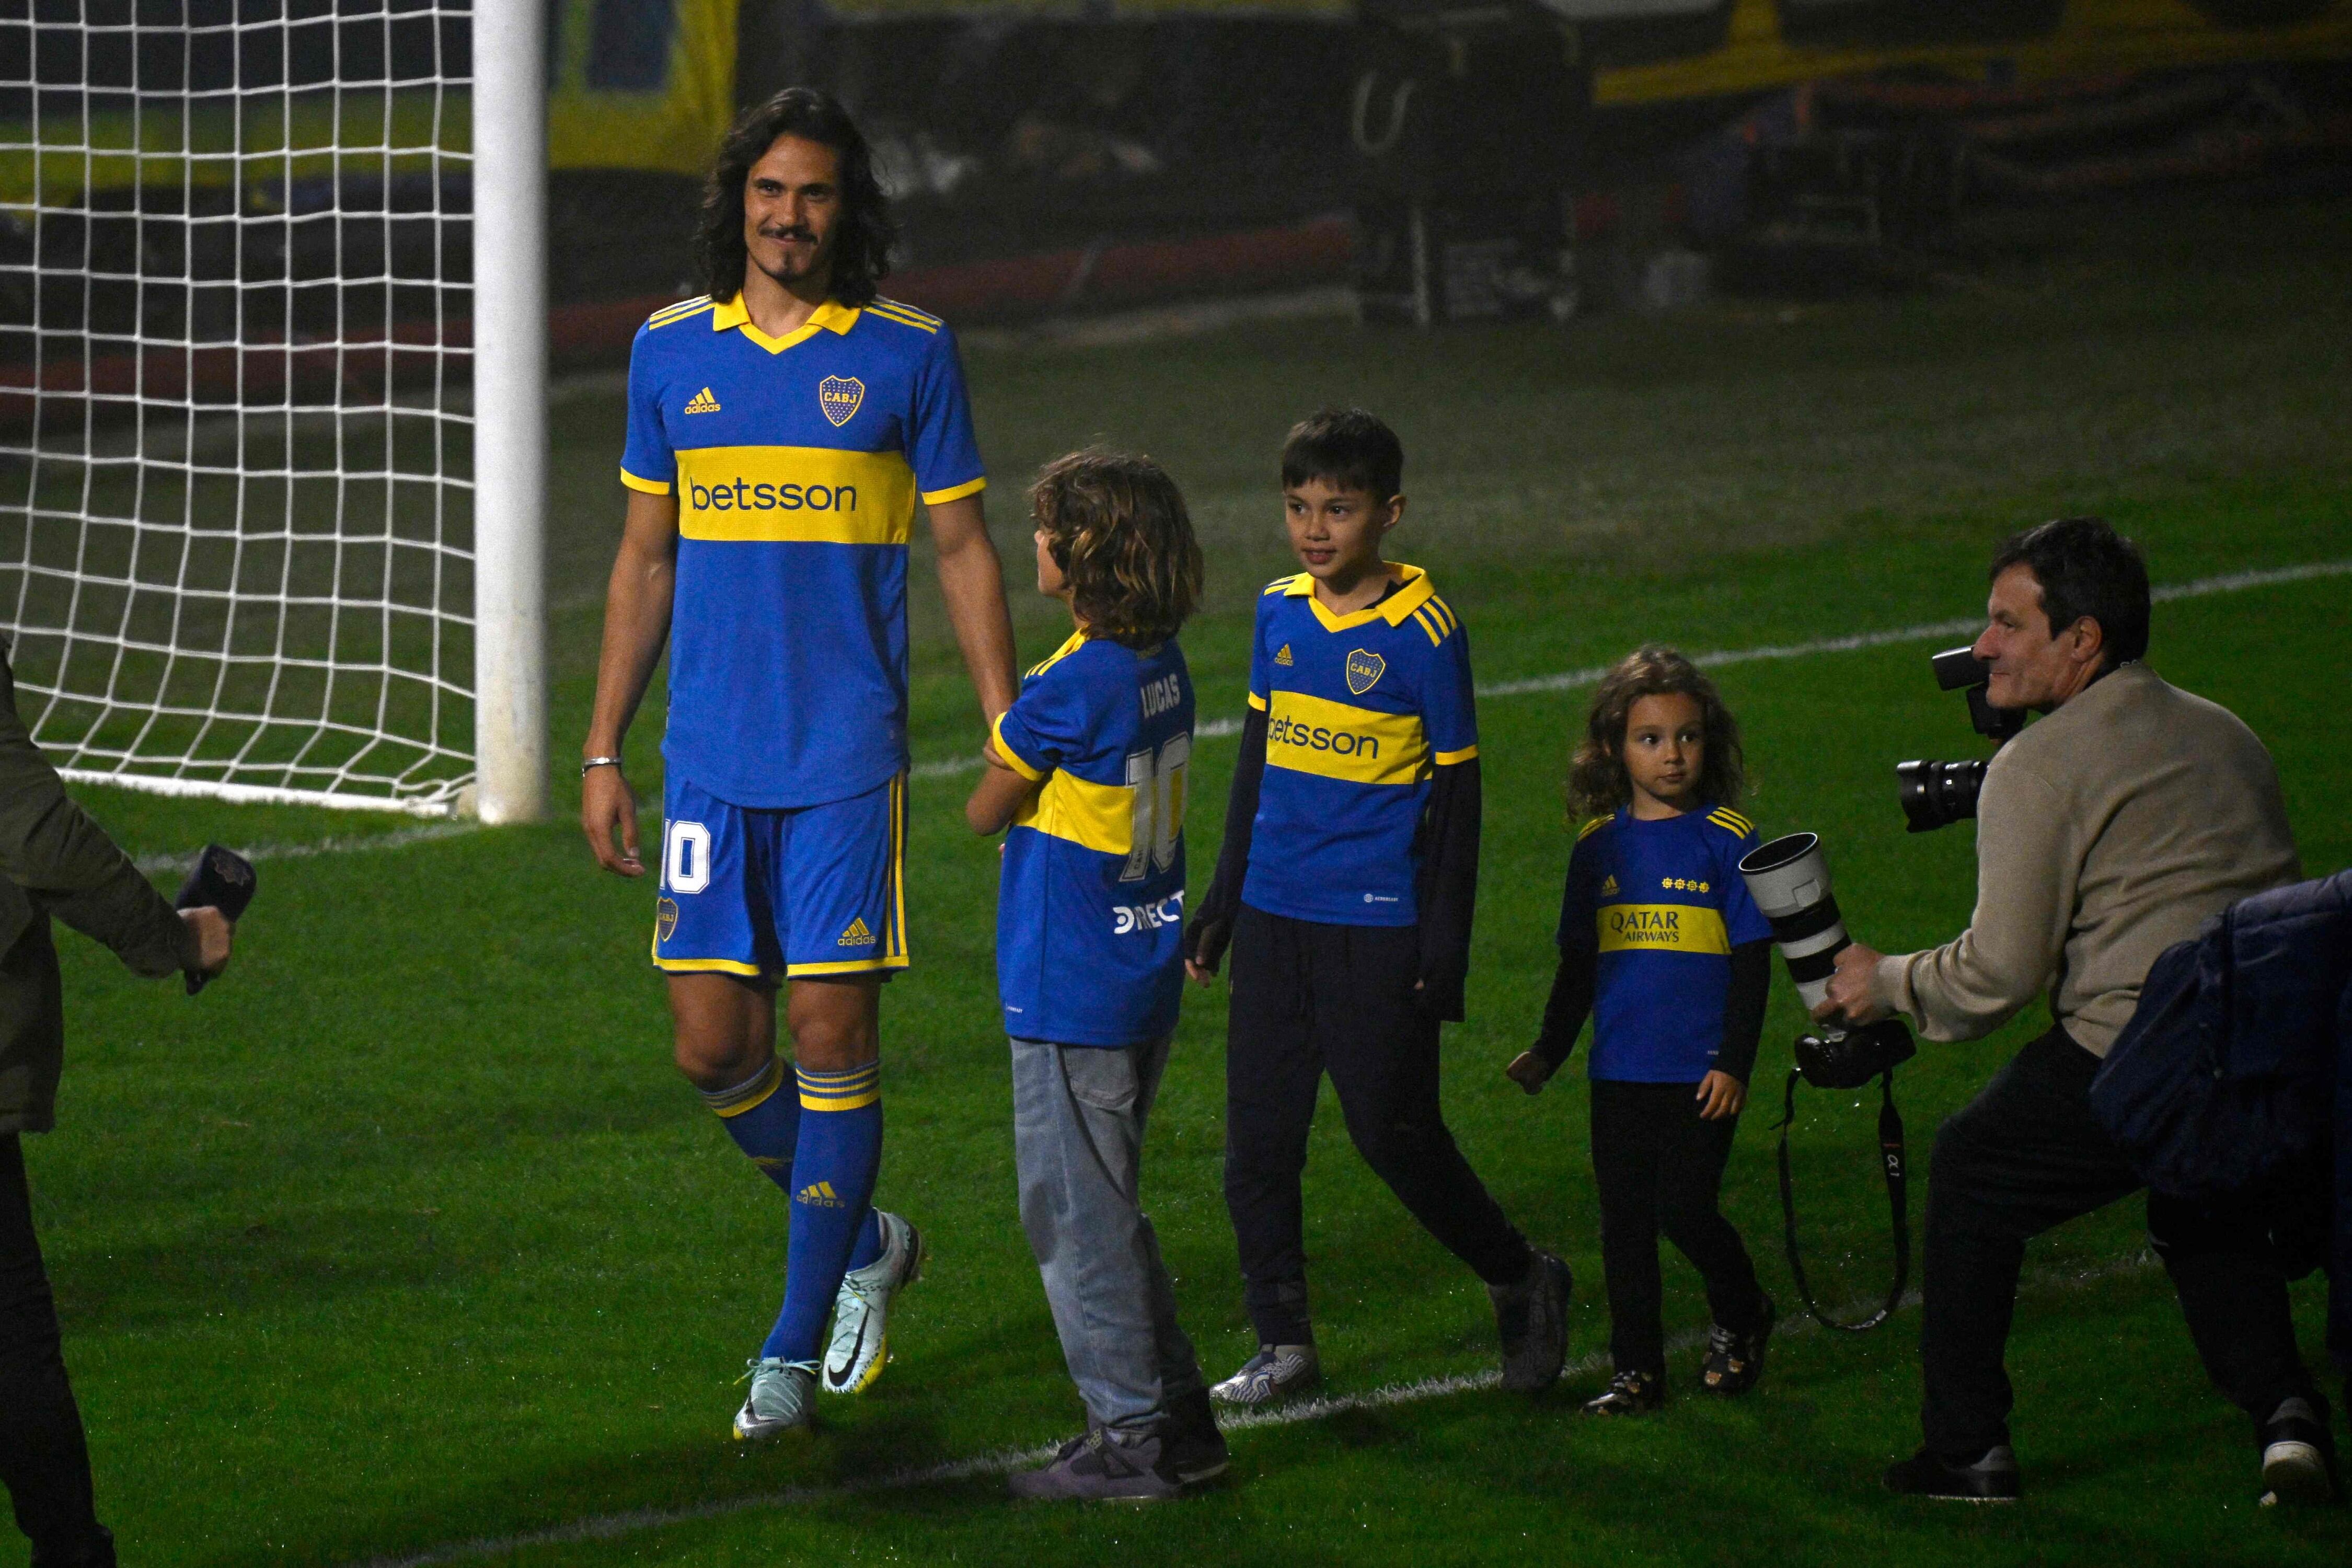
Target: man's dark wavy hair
2085 568
861 247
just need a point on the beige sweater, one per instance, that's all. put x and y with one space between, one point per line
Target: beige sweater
2110 829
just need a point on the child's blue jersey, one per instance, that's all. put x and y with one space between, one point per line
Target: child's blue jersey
1361 711
1091 910
796 461
1665 903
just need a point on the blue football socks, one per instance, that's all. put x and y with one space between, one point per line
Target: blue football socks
833 1189
766 1126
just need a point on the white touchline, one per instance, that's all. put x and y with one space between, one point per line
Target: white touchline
1004 1461
1569 680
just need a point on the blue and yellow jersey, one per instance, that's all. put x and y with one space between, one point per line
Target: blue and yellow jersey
1665 904
1091 909
1361 711
796 462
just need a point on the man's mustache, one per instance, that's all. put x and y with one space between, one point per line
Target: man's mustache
795 231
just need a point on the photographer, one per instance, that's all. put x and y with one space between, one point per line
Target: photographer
2107 830
53 860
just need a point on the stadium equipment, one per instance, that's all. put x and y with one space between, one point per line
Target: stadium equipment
861 1312
1790 881
272 400
783 1396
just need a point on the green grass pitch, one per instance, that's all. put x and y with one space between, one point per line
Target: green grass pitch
407 1234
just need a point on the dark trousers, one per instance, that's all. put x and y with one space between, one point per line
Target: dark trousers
1659 1166
2025 1155
42 1455
1310 999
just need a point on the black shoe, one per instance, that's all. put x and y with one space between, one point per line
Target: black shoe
1532 1319
1734 1361
2298 1457
1628 1393
1990 1478
97 1552
1191 1449
1099 1467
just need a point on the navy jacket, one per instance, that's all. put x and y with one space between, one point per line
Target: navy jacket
2234 1077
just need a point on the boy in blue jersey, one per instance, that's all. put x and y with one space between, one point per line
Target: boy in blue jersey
1345 888
782 429
1660 942
1087 770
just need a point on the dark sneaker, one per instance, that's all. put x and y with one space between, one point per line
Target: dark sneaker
1734 1361
1191 1449
1628 1393
1276 1374
2298 1457
1990 1478
1099 1467
1532 1319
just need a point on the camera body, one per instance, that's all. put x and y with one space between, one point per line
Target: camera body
1937 793
1852 1059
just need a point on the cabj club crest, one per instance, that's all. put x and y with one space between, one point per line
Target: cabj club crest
839 397
1364 671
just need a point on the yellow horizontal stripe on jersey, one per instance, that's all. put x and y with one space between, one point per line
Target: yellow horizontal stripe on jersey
1592 828
1447 759
1661 927
650 487
797 494
954 492
904 317
1723 816
1091 815
1012 759
1341 740
1257 702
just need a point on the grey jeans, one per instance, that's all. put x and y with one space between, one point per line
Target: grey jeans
1078 1114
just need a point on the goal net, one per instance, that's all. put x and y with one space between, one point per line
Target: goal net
236 434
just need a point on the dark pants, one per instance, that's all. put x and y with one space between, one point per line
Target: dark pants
1659 1166
1310 999
42 1456
2025 1155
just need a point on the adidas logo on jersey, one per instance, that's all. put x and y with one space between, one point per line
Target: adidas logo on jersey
1284 657
1608 885
819 1194
702 403
856 936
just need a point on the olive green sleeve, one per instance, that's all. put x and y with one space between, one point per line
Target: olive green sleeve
51 848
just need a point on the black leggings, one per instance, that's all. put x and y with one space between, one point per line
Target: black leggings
1659 1166
42 1456
1308 999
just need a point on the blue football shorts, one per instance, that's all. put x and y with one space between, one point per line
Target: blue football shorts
803 892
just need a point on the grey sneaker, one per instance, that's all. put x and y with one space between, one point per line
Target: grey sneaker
1532 1319
1191 1449
861 1312
2298 1457
782 1397
1099 1467
1992 1476
1276 1374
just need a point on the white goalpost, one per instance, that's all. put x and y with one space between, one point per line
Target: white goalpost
273 398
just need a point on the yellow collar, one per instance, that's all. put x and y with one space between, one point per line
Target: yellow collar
832 316
1415 590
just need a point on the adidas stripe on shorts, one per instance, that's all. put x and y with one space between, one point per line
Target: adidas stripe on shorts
801 891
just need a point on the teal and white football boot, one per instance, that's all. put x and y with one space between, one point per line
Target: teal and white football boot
861 1312
783 1397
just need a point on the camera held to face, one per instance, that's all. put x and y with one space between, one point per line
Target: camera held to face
1937 793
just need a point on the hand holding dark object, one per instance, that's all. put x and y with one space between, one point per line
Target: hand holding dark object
212 901
1204 948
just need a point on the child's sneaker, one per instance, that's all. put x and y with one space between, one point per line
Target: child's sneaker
1628 1393
1271 1377
1734 1361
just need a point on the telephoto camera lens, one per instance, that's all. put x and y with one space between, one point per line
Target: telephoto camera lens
1937 794
1790 881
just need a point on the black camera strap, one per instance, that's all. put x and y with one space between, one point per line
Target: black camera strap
1891 1159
